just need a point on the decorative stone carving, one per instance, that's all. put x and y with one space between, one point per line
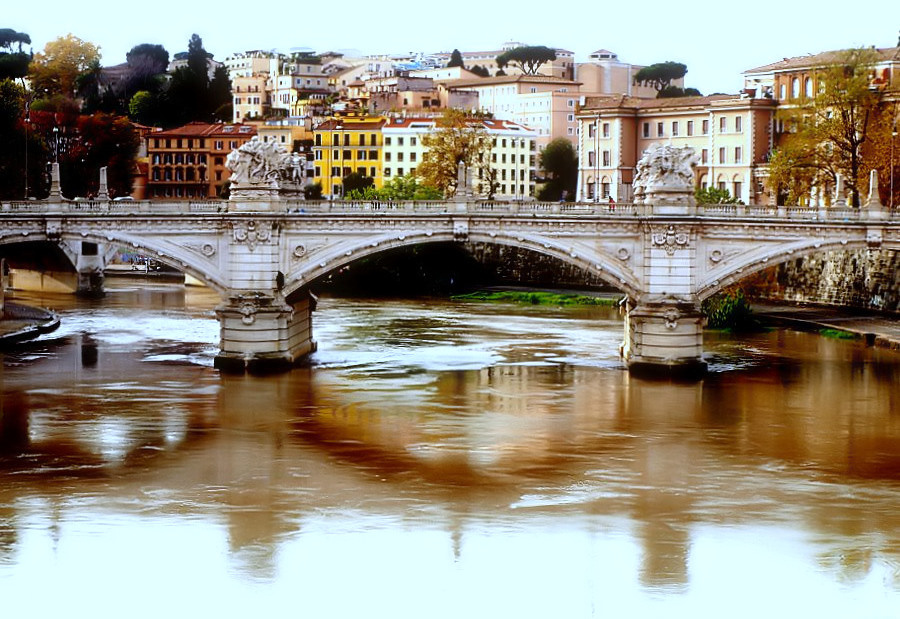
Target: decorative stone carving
252 234
256 163
670 239
665 172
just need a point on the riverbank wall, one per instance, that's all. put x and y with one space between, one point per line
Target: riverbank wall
862 279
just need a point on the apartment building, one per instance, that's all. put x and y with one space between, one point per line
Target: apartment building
250 96
731 134
545 104
344 145
791 80
512 152
189 161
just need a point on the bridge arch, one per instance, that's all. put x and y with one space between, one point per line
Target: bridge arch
738 270
158 248
604 266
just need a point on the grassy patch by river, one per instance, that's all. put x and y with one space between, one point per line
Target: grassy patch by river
535 297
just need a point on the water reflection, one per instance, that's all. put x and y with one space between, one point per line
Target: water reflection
502 454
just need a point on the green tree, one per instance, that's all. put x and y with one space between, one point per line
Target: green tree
357 182
457 137
17 139
670 92
827 131
712 195
480 71
529 58
456 59
660 75
56 69
559 162
13 61
147 65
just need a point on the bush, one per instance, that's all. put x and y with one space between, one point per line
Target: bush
729 310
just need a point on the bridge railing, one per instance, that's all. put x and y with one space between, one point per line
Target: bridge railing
433 207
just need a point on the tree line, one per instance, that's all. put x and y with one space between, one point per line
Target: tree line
80 115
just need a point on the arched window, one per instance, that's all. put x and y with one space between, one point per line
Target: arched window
808 86
782 94
795 87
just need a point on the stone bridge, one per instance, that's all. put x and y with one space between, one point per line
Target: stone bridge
261 253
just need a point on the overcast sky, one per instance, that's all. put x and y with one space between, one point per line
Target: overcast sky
717 40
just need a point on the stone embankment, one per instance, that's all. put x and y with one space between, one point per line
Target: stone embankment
877 329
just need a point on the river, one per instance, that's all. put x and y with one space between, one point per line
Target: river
441 459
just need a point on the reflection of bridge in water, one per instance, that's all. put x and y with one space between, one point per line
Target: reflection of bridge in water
262 252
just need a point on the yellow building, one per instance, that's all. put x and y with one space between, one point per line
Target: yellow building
345 145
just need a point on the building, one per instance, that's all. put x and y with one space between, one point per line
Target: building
512 152
250 96
545 104
563 67
604 73
794 79
731 134
345 145
189 161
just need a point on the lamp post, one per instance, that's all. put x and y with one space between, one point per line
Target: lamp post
893 139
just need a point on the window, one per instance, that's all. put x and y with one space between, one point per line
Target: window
362 139
335 171
646 132
721 185
387 172
592 159
738 154
400 141
606 130
318 171
387 156
723 125
738 124
795 88
387 141
722 155
704 127
674 128
782 92
738 187
399 171
412 141
704 156
361 156
591 128
660 129
570 118
399 156
318 139
570 102
412 156
606 159
690 127
347 155
318 156
219 145
373 155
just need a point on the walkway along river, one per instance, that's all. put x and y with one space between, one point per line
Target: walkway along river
441 459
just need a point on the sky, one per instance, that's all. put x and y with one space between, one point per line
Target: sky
717 40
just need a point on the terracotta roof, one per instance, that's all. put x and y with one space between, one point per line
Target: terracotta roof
619 101
818 60
200 129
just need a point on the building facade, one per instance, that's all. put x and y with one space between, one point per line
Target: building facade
189 161
732 136
342 146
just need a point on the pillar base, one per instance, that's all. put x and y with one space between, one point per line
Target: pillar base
665 340
90 285
262 333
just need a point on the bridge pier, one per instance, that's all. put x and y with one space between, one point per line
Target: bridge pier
262 332
664 339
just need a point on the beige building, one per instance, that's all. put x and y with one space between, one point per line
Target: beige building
512 152
545 104
563 67
604 73
732 136
250 96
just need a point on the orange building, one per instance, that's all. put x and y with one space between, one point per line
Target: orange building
189 161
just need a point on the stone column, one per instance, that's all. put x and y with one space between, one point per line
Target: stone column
262 332
89 264
664 339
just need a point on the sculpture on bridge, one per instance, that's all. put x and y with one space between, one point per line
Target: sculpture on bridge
257 163
665 173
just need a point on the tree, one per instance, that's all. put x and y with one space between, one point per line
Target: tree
826 132
560 164
529 58
103 140
13 61
660 75
713 195
147 63
357 182
57 68
15 140
480 71
457 137
456 59
670 92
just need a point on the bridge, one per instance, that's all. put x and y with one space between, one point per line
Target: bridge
261 251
